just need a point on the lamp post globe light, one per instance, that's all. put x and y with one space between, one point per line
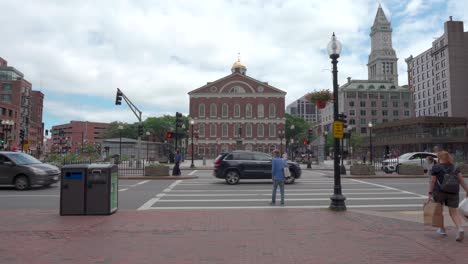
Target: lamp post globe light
192 123
370 142
337 199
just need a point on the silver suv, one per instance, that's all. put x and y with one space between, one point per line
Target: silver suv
416 158
23 171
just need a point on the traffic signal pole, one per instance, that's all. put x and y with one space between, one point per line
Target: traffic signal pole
137 113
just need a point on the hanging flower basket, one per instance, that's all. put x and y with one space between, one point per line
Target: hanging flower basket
320 98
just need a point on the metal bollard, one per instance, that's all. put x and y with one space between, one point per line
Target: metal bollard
204 161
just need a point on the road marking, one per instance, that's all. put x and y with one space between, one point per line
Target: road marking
123 190
269 190
269 194
294 199
265 181
390 188
154 200
139 183
278 207
193 172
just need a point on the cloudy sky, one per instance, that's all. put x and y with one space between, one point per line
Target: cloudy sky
77 52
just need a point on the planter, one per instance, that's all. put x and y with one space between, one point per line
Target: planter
157 171
320 104
362 169
406 169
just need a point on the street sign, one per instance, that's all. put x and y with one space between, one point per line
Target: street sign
338 129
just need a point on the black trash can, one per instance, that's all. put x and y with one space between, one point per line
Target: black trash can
89 189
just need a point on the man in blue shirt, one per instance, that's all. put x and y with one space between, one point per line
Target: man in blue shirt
277 171
176 169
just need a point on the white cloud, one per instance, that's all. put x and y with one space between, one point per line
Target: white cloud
157 51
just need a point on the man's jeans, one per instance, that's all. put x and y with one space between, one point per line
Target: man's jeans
275 185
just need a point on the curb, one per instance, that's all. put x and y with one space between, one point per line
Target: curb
378 176
157 178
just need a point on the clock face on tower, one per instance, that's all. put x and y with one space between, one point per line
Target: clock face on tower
384 39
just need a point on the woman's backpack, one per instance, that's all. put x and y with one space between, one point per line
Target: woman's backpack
450 182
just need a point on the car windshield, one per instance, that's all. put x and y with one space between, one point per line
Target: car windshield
406 156
23 159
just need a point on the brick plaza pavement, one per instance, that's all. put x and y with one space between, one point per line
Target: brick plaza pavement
279 235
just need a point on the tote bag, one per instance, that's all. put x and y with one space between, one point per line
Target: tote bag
463 209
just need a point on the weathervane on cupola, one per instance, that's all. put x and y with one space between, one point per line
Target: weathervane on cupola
238 66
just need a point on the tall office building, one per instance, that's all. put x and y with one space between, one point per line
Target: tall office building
438 77
305 109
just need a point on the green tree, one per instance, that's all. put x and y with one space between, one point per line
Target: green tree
128 131
300 127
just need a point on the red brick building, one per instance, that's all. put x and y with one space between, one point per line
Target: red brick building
237 112
21 105
76 133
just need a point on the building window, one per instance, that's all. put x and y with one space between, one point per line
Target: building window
362 103
352 112
272 131
407 113
225 130
363 112
363 121
363 130
374 112
373 104
212 130
201 130
213 110
395 103
224 110
272 110
260 130
445 104
201 110
248 130
6 98
384 104
237 110
352 122
384 112
351 103
395 113
6 87
248 110
260 111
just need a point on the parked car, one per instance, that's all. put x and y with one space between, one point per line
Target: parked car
416 158
23 171
236 165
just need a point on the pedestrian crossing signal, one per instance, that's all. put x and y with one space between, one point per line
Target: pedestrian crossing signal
170 135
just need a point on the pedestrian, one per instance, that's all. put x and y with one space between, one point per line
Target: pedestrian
445 169
176 169
364 155
430 161
277 171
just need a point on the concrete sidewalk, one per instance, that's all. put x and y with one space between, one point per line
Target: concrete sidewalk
276 235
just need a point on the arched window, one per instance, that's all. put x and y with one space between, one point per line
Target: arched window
393 87
201 110
225 110
212 130
237 110
225 130
237 129
382 87
213 110
260 111
362 87
272 110
371 87
248 110
201 130
272 131
260 130
248 130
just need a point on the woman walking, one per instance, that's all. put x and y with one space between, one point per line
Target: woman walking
445 169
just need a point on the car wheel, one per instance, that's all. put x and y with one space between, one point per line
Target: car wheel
386 170
291 178
21 183
232 177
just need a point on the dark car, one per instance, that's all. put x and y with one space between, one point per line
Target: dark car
23 171
237 165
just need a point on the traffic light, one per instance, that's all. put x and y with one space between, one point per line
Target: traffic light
310 133
342 117
46 132
178 119
306 142
118 97
170 135
140 130
21 134
2 141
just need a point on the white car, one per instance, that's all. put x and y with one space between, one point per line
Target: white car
416 158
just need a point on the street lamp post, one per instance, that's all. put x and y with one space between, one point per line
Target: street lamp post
337 199
370 141
6 127
281 136
147 144
325 135
120 127
292 127
192 123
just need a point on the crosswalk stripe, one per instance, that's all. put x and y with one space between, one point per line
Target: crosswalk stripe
269 190
285 207
293 199
269 194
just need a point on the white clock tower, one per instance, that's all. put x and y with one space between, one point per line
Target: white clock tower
382 65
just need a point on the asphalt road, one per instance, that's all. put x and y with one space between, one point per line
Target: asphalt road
312 190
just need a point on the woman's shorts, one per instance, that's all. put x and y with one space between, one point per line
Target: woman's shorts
449 199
